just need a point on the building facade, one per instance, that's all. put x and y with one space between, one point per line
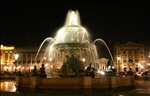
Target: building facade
19 59
147 55
24 59
131 56
128 56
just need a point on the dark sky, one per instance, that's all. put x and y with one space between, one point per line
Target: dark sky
112 21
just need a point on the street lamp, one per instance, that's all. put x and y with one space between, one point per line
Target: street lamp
83 59
148 61
50 59
118 61
149 58
16 59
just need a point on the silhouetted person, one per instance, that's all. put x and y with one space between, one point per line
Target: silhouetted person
92 72
88 70
42 71
35 72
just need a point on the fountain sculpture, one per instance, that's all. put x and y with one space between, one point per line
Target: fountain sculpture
70 52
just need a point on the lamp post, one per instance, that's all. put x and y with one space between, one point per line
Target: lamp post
149 58
16 59
83 59
118 63
50 59
148 64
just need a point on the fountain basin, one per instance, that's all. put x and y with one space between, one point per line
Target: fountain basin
72 45
85 82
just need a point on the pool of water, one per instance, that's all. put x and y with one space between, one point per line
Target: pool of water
8 85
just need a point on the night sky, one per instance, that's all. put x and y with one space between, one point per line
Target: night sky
26 23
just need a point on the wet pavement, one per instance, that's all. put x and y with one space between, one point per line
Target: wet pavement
141 88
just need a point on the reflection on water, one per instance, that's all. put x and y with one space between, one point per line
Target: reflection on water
8 86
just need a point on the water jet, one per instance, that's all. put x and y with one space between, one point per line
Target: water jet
71 44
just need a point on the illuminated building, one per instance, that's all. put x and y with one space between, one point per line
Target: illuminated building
132 56
147 55
6 58
25 60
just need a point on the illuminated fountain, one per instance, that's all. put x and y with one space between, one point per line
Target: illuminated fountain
70 51
70 54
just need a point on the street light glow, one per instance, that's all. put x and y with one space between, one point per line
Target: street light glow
50 59
118 58
83 59
16 64
16 56
118 61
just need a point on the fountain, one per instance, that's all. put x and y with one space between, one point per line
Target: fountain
71 49
72 62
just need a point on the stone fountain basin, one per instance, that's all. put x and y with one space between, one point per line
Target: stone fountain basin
72 45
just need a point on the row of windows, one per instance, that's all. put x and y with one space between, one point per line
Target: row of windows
10 56
131 52
131 60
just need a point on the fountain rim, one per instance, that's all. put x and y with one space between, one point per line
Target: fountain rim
72 45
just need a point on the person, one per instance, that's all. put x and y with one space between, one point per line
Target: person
42 70
35 72
88 70
92 72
